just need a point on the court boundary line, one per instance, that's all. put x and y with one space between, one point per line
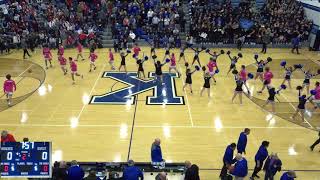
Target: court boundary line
132 126
283 170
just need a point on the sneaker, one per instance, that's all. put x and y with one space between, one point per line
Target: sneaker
94 68
311 148
90 70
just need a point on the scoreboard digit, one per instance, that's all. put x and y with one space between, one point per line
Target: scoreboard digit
25 159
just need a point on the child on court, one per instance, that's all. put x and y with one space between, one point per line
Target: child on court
272 93
261 65
301 108
244 77
111 59
74 70
238 90
315 99
197 52
9 86
60 50
182 56
158 65
188 80
307 77
234 61
136 50
267 76
93 57
173 64
206 85
63 63
80 49
123 61
47 55
287 76
212 67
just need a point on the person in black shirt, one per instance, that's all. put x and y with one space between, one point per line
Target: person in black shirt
306 82
167 53
192 171
206 85
188 78
140 68
301 106
196 55
238 90
272 93
287 76
182 49
158 65
234 61
123 61
315 143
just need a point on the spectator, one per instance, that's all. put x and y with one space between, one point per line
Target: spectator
60 171
75 172
315 143
91 176
240 170
271 166
242 141
132 172
161 176
6 137
260 157
227 159
156 154
192 171
289 175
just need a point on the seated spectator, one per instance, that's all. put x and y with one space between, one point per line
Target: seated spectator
192 171
91 176
240 170
132 172
161 176
156 154
75 172
289 175
59 171
6 137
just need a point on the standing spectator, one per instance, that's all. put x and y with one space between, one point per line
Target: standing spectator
25 48
242 141
132 172
227 159
290 175
295 44
315 143
260 157
75 172
240 170
156 154
272 165
192 172
59 171
6 137
91 176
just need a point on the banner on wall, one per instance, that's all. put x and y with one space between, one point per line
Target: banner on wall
246 24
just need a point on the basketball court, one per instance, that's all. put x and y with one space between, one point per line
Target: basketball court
47 107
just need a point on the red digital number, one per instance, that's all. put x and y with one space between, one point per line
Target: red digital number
45 168
24 157
6 168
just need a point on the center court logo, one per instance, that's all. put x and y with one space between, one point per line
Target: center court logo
162 94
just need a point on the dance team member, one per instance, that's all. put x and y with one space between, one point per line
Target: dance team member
80 49
47 55
93 57
206 85
173 64
123 61
63 64
9 86
267 76
196 55
111 59
74 70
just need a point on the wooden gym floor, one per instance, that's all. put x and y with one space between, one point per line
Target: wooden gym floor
49 108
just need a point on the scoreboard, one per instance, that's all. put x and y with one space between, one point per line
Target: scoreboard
25 159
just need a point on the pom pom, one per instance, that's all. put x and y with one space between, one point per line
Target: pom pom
128 51
216 71
240 55
207 50
186 64
269 59
283 63
222 51
313 92
167 60
133 55
250 76
299 88
256 56
146 58
235 72
154 57
298 66
197 67
203 48
228 52
203 68
283 86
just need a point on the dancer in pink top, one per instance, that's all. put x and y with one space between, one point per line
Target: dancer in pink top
244 77
111 59
267 76
74 69
136 50
212 65
9 86
47 55
80 49
173 64
315 99
63 63
93 57
60 50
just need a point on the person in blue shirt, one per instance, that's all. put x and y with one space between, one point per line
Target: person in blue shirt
227 159
132 172
271 166
295 43
290 175
242 141
260 157
240 170
156 154
75 172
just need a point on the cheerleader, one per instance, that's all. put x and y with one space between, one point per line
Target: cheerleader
158 65
9 86
47 55
287 76
238 90
140 68
301 108
261 65
60 50
74 70
267 76
188 80
211 66
63 63
152 50
272 93
214 55
243 76
173 64
234 61
206 85
167 53
306 82
196 55
80 49
136 50
315 99
123 61
182 56
93 57
111 59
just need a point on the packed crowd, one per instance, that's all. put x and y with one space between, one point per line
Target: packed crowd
222 22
